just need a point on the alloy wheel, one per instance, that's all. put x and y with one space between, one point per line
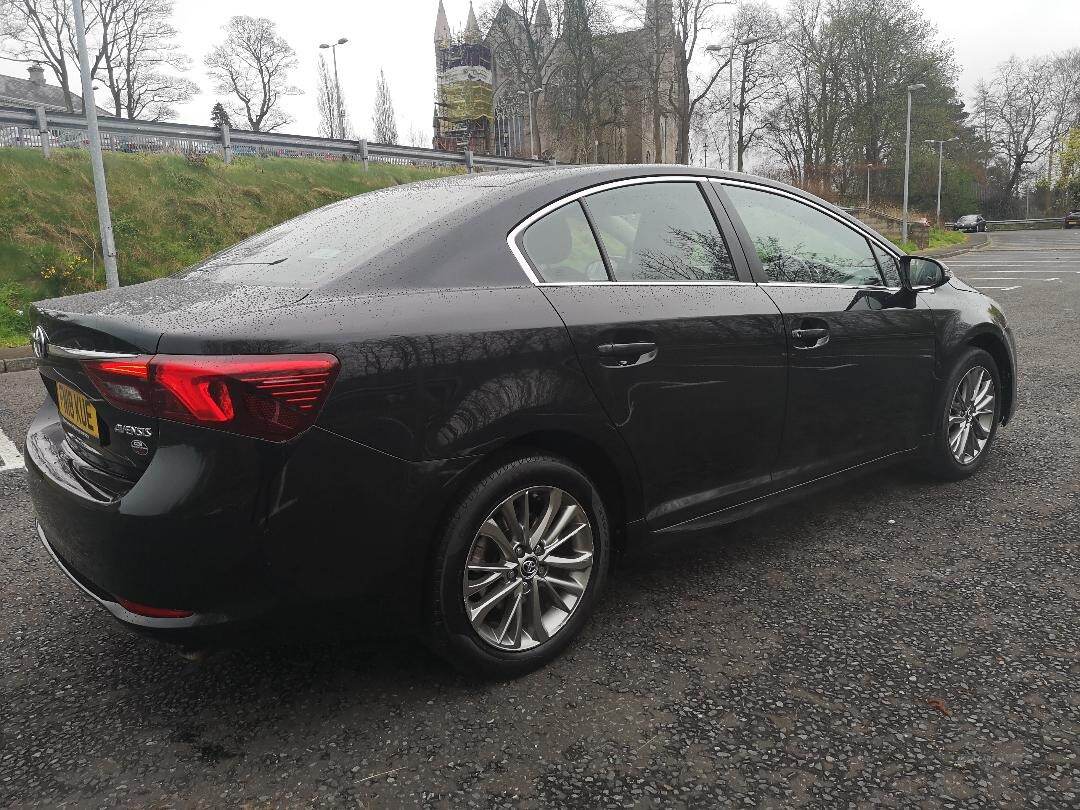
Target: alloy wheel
971 414
528 567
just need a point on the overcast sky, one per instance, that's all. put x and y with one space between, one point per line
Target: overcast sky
396 35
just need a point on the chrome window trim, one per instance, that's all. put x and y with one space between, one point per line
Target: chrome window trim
52 350
645 283
512 237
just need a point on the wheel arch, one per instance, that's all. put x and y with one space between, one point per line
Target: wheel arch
994 345
619 486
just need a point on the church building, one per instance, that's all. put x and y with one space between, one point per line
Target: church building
485 103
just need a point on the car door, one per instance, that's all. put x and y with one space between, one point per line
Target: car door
685 352
861 370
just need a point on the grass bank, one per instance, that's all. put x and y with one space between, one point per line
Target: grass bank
939 238
168 212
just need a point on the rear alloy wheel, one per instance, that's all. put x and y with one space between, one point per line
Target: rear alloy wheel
528 567
518 568
970 409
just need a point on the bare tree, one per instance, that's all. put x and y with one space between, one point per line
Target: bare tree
694 20
584 95
1064 112
383 120
1017 103
253 66
40 31
139 58
524 35
417 137
755 29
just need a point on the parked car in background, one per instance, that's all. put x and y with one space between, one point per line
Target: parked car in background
971 223
1072 218
455 400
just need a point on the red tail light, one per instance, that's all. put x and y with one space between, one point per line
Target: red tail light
268 396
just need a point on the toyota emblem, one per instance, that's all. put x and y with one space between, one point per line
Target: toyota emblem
40 342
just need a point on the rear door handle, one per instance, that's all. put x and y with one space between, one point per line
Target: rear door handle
810 338
626 354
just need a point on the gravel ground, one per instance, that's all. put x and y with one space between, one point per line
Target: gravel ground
893 642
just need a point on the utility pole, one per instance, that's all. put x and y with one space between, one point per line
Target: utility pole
337 87
907 161
108 246
940 159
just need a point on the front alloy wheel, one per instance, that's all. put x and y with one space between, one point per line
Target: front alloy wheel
971 414
527 568
970 403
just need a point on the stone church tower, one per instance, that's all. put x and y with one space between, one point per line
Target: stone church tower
463 87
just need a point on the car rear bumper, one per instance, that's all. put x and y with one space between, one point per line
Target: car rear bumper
230 530
121 613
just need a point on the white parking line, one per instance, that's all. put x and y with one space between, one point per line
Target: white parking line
1017 287
10 458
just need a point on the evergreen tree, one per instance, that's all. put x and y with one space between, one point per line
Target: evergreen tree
383 120
219 116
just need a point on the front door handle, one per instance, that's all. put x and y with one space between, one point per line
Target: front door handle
810 338
626 354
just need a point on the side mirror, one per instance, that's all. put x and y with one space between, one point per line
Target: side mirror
922 273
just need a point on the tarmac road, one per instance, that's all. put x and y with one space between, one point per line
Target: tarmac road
893 642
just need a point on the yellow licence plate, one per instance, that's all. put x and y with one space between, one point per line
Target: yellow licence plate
77 410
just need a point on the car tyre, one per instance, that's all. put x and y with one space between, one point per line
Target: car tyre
942 460
451 631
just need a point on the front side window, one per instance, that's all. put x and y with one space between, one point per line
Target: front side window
890 267
660 232
797 243
562 248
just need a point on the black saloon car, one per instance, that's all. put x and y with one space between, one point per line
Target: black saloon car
455 400
1071 219
971 223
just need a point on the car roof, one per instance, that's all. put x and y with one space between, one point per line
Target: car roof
442 233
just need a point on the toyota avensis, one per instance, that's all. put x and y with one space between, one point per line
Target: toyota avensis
455 400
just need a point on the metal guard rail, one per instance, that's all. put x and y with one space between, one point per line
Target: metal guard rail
228 138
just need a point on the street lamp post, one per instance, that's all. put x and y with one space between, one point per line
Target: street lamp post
940 160
907 160
869 166
108 245
731 90
337 86
534 139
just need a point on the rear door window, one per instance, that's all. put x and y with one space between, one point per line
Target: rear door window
561 247
660 232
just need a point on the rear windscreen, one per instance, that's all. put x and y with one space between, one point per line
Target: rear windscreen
329 242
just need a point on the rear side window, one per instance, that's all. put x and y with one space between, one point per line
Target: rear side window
797 243
562 248
660 232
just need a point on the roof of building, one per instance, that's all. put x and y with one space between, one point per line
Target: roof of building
16 92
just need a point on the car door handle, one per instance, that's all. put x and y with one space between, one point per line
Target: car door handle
810 338
626 354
